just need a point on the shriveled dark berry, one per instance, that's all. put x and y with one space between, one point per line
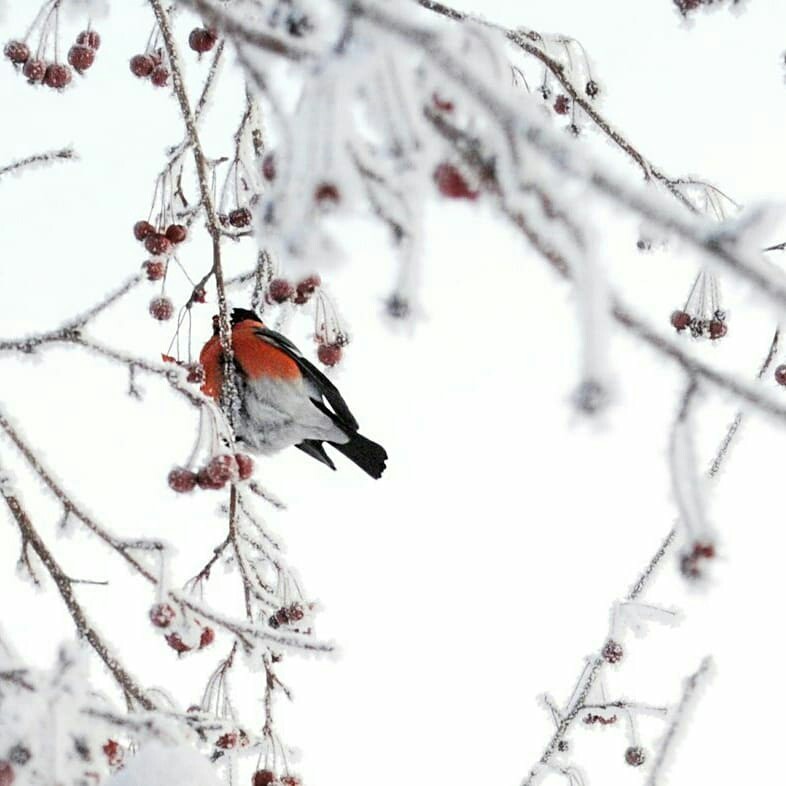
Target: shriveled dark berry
89 38
291 780
592 88
227 741
280 290
155 269
176 233
176 643
397 306
562 105
196 373
161 308
718 329
141 65
451 183
207 637
680 320
634 756
81 57
269 167
327 194
113 752
780 375
35 71
202 39
240 217
296 612
19 754
17 52
181 480
612 652
162 615
160 76
329 354
57 76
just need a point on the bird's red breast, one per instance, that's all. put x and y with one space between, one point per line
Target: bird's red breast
255 356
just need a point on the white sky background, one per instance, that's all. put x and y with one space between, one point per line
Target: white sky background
479 571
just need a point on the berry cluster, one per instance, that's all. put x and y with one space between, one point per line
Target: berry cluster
451 182
702 313
175 641
713 328
592 719
691 562
287 615
219 471
280 290
232 739
202 39
159 242
162 616
196 371
150 65
268 778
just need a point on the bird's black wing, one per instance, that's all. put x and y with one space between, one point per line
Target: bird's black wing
312 373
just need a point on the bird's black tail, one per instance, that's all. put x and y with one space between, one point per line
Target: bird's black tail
368 455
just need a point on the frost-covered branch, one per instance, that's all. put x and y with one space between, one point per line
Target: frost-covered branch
38 159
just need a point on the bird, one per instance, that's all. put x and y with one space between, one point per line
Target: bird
284 399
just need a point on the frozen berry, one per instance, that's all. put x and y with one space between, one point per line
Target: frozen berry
703 550
176 233
780 375
612 652
113 752
57 76
241 217
272 621
162 615
326 194
7 774
245 466
680 320
291 780
176 643
201 39
221 469
196 373
592 88
262 778
280 290
161 308
397 306
81 57
204 481
296 612
160 76
17 52
282 616
634 756
89 38
155 269
269 167
142 229
141 65
329 354
199 295
206 638
34 70
158 244
227 741
562 105
308 285
451 183
181 480
19 754
718 329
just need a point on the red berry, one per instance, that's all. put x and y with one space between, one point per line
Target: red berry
162 615
718 329
196 373
176 233
296 612
142 229
282 616
206 638
113 752
161 308
176 643
204 481
34 70
280 290
327 194
158 244
703 550
81 57
57 76
142 65
226 741
634 756
262 778
160 76
89 38
221 469
199 295
269 167
562 105
17 52
680 320
309 284
780 375
451 183
612 652
245 466
155 269
329 354
441 104
241 217
181 480
201 39
291 780
6 774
